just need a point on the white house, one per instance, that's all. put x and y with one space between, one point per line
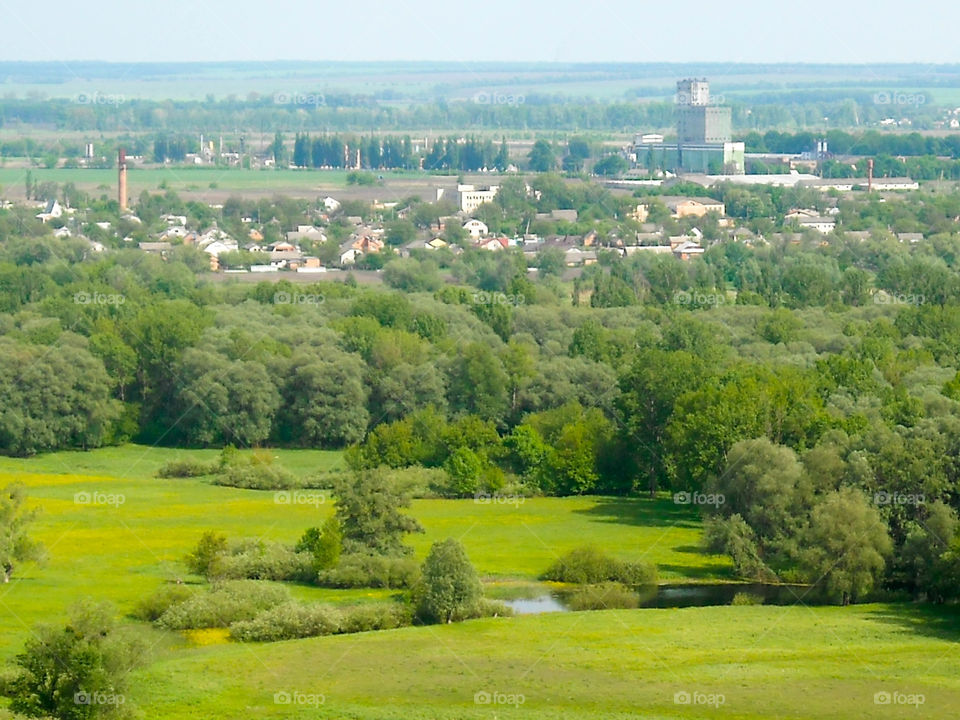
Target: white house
51 210
475 228
821 224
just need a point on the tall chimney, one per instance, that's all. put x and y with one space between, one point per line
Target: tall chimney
870 175
122 179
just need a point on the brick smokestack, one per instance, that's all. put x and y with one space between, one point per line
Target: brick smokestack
122 179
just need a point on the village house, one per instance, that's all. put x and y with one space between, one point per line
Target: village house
681 207
475 229
51 211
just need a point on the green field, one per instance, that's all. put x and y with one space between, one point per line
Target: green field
121 551
767 662
212 181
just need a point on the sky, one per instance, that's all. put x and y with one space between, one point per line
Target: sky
838 31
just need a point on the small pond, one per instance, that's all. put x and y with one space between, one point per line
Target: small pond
679 596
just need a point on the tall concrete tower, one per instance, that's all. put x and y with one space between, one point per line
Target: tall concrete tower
122 179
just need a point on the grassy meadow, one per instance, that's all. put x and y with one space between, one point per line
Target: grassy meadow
765 661
211 182
137 528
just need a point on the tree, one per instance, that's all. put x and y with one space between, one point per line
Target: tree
15 545
766 485
464 467
478 384
220 402
277 149
551 261
449 587
325 401
325 544
502 160
611 165
848 545
542 157
78 671
203 559
400 232
52 399
368 511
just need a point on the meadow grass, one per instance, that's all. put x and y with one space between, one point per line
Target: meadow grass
134 532
765 662
185 178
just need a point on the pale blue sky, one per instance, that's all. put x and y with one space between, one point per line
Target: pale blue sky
505 30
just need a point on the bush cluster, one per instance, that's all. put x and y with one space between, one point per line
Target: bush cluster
221 605
588 565
264 560
293 620
186 469
376 571
256 476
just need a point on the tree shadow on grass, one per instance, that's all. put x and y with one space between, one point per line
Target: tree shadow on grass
938 621
643 512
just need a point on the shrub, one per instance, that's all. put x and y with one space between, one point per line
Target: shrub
605 596
256 476
493 608
224 603
378 571
186 469
153 606
375 616
264 560
745 598
588 565
293 620
286 622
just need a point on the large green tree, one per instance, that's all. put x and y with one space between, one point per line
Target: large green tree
369 513
449 587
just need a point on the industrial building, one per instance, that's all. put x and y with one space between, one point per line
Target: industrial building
704 132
